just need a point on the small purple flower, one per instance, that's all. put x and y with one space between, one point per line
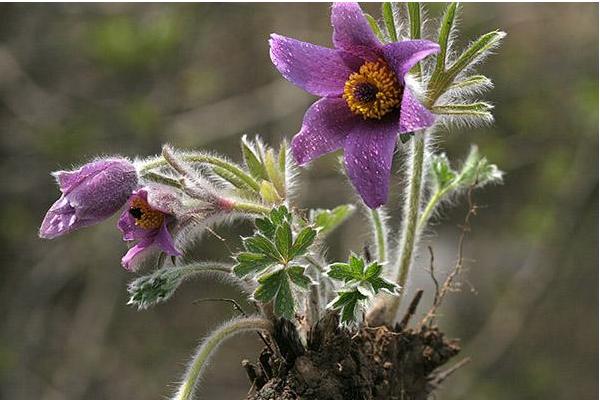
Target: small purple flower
90 194
365 103
150 210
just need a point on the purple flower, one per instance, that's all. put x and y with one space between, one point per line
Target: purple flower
150 210
365 103
90 194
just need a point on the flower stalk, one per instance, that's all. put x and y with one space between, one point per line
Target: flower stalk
209 345
379 231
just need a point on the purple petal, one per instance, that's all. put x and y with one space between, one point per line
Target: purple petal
325 126
318 70
352 33
91 194
368 155
404 55
164 241
130 230
130 260
413 114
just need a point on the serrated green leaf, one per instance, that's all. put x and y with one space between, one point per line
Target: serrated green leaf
345 272
388 18
374 27
373 270
280 214
379 283
252 160
296 274
262 245
348 303
250 263
284 301
479 109
265 227
328 220
283 240
304 239
269 286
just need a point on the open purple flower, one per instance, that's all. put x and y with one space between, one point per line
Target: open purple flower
90 194
365 103
150 210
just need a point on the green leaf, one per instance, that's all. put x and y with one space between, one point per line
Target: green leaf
474 81
414 16
269 193
296 274
265 226
349 303
283 240
479 109
284 301
231 178
328 220
280 215
476 50
346 271
446 28
375 27
262 245
304 239
379 283
255 166
155 288
274 173
443 173
282 157
388 19
269 286
373 270
478 171
250 263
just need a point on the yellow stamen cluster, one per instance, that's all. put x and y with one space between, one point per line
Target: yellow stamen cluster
382 87
145 217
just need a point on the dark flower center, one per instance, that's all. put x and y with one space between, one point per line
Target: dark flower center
136 212
145 216
373 91
365 92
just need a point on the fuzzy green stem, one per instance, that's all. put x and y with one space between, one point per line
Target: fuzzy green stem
209 345
206 159
380 236
411 214
251 208
431 205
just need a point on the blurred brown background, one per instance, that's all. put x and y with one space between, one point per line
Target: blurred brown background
81 80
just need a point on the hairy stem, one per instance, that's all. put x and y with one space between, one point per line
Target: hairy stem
209 345
431 205
252 208
412 209
205 159
379 231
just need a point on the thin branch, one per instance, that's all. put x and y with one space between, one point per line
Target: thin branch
443 375
458 267
412 308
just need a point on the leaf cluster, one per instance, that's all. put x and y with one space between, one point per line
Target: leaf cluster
271 257
361 282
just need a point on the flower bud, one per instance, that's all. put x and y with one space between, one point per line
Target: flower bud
90 194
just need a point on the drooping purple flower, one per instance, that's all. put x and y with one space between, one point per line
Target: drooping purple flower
150 211
90 194
365 102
